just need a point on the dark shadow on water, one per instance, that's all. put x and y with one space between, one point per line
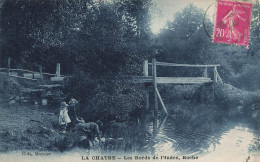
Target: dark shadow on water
196 132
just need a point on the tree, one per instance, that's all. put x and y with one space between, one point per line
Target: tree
97 42
254 47
185 41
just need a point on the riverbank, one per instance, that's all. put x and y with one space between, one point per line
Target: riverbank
34 127
27 127
190 128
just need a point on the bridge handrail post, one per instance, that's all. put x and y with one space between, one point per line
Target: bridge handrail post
205 73
146 92
154 73
219 78
40 70
215 74
145 68
58 70
9 66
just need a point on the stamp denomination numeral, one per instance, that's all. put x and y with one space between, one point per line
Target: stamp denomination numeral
220 33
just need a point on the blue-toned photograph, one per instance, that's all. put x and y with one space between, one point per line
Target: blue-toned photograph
130 80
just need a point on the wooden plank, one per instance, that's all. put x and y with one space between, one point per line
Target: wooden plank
188 82
37 76
172 80
28 75
23 70
57 79
182 65
142 79
160 98
183 80
150 77
19 77
50 86
28 71
49 74
175 82
29 90
14 73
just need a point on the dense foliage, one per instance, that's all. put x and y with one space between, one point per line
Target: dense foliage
101 44
185 41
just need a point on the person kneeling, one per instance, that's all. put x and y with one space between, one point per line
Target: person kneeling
91 130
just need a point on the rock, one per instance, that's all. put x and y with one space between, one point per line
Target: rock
46 136
31 130
11 101
114 143
8 134
44 130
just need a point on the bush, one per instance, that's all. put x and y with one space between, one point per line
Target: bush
114 101
248 79
231 97
111 98
178 93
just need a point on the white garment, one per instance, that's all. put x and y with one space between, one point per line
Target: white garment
64 117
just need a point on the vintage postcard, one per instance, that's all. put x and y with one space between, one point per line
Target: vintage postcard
130 80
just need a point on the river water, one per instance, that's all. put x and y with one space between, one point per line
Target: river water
200 134
209 136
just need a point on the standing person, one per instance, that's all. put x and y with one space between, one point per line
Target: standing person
72 112
64 118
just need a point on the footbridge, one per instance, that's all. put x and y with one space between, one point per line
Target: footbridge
154 80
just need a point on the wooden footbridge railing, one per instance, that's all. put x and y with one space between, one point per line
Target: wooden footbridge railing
154 80
32 76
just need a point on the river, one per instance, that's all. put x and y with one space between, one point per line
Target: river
206 136
195 133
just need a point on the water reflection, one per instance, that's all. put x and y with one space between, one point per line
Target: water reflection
211 136
235 141
210 133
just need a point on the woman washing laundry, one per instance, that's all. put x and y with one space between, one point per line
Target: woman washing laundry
72 113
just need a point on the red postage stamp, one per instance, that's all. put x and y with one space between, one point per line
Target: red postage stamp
232 23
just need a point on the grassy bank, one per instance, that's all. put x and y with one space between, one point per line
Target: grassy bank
30 127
